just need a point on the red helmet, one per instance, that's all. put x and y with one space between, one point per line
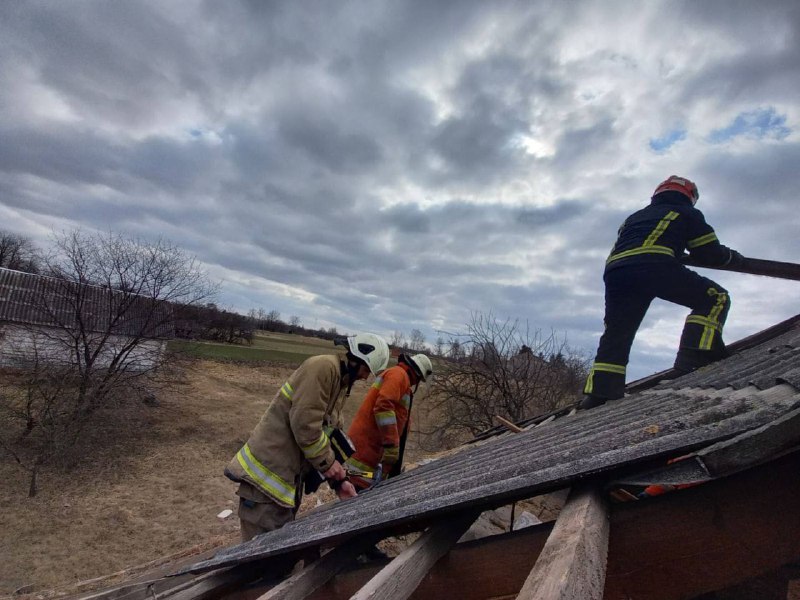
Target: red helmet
679 184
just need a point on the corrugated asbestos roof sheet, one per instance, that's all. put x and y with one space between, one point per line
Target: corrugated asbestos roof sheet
31 299
671 419
764 366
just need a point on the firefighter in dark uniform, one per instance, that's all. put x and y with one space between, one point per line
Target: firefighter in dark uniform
644 264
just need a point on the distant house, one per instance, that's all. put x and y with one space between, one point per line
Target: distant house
64 322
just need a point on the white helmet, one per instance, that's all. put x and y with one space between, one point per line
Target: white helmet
422 365
370 348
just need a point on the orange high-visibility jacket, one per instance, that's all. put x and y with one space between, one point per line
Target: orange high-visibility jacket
381 420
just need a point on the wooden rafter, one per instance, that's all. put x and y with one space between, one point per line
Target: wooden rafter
399 579
572 565
300 585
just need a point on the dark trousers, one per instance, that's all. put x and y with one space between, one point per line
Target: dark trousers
629 292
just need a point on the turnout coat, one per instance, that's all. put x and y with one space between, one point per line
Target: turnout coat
291 434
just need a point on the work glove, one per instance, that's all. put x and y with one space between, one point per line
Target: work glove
736 259
391 454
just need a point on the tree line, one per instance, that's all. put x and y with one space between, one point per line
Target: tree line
111 302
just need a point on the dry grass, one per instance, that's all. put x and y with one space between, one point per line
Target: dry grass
149 485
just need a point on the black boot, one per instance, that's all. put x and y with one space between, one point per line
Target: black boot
590 401
690 359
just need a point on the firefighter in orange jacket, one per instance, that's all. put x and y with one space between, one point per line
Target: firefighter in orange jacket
381 420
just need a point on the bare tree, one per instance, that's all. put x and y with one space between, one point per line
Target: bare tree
416 340
456 350
438 348
398 339
18 253
507 370
294 321
97 332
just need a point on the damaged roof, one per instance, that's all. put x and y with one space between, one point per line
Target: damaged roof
751 389
31 299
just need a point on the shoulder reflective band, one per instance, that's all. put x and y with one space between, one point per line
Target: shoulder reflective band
649 245
268 481
385 418
287 390
378 383
317 448
660 228
702 240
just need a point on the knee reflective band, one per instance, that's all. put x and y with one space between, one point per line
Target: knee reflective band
268 481
710 323
605 368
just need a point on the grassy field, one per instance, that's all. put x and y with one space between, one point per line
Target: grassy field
150 483
266 347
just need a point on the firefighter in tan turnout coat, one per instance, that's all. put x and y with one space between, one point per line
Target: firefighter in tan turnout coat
291 439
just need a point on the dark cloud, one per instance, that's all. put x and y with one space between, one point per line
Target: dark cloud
397 165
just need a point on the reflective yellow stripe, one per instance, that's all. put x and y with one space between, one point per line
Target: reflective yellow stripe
702 240
378 383
385 418
287 390
358 464
268 481
711 323
660 228
406 400
605 367
641 250
609 368
649 245
317 448
704 321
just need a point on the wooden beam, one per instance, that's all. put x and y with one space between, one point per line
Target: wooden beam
507 424
754 266
572 565
300 585
399 579
221 582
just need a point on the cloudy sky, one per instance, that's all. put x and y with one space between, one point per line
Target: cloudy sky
385 166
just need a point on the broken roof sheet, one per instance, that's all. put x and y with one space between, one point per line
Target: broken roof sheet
674 418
